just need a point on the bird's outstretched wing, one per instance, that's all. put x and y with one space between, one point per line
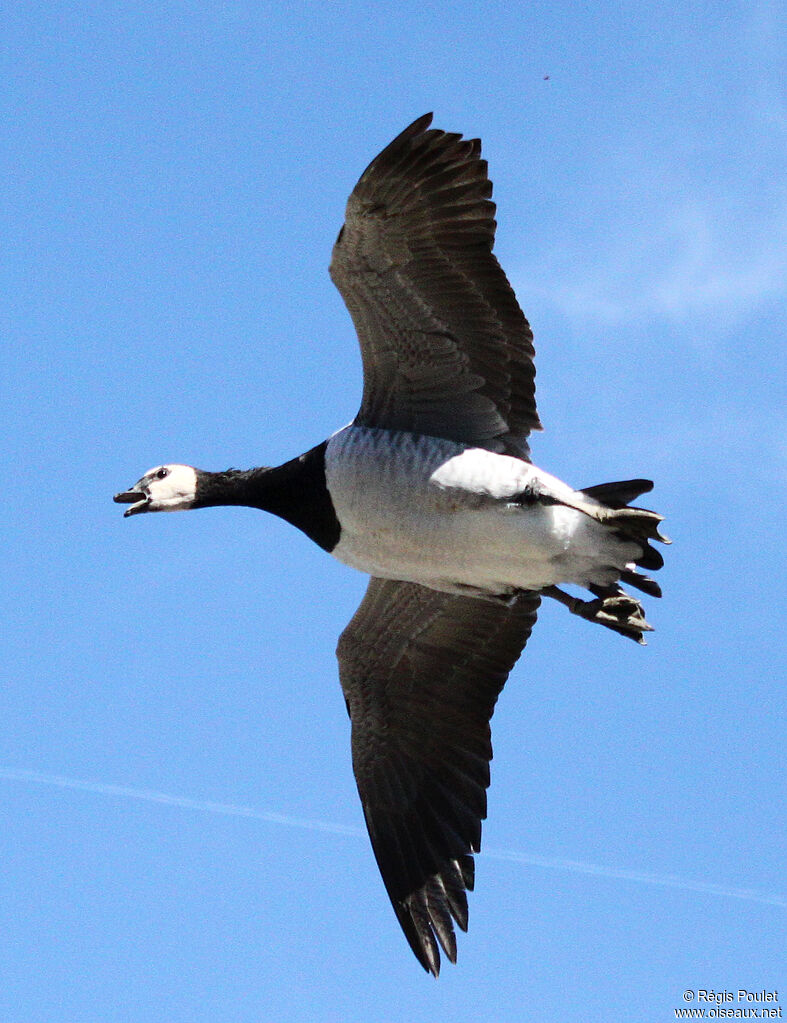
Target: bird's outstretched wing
446 349
421 672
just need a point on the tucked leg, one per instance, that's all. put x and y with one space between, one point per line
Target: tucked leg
615 609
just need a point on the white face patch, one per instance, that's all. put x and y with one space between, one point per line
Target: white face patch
171 487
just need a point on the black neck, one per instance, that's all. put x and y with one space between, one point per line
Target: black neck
295 491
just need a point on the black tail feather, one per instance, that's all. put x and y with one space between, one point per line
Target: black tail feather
641 582
618 495
637 524
613 607
650 559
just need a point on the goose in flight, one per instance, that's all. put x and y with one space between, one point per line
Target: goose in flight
431 492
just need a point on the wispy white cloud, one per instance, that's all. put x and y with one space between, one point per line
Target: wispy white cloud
311 824
695 259
764 36
688 226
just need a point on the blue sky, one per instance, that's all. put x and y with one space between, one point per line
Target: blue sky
181 834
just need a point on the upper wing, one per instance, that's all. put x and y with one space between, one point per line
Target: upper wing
421 672
446 349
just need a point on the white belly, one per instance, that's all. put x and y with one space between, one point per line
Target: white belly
439 513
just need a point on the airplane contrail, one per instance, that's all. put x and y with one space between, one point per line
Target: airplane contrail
310 824
202 805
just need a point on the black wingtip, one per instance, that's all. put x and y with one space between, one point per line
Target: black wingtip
421 123
417 929
416 127
399 145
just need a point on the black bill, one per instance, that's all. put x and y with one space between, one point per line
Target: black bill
136 498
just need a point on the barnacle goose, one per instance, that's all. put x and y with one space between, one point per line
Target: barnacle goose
431 491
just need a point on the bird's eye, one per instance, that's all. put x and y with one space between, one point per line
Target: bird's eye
162 474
